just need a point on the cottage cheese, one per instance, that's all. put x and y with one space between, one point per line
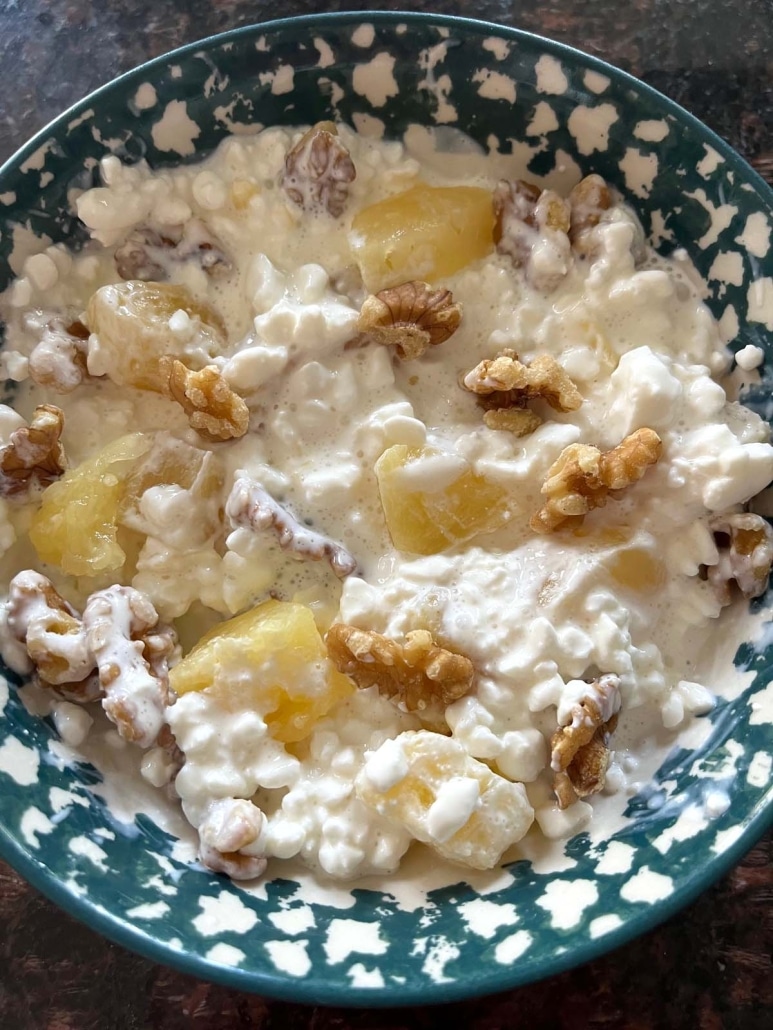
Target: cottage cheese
536 615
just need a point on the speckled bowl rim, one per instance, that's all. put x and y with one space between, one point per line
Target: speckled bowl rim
481 982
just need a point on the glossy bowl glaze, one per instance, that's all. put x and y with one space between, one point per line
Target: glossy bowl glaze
565 114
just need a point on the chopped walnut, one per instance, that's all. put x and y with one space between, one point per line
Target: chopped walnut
589 199
250 506
58 361
417 674
212 407
532 226
230 825
745 545
580 749
518 421
33 456
504 386
118 651
50 628
318 170
584 478
410 317
116 620
147 254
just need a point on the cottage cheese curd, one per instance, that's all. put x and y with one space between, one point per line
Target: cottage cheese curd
539 616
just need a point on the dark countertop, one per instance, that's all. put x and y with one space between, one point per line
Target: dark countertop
707 968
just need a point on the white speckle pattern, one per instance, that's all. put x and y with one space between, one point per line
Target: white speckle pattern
345 936
176 130
225 955
590 126
617 858
647 886
511 948
494 86
85 848
375 80
294 920
19 762
566 900
551 77
759 299
485 917
604 924
361 976
148 910
289 956
223 914
758 773
32 823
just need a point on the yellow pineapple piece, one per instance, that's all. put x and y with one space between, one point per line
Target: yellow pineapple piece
433 788
427 233
131 321
425 522
173 461
76 524
638 569
242 192
273 657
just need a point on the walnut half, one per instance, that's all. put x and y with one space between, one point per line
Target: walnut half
410 317
212 407
417 674
584 478
34 455
318 170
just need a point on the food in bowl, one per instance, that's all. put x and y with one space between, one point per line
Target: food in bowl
372 496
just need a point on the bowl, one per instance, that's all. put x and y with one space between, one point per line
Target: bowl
69 834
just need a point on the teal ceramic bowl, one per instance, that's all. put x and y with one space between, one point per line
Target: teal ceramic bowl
362 947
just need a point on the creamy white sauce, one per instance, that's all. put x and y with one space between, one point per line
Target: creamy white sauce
641 346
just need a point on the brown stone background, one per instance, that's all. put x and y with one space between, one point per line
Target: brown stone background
709 967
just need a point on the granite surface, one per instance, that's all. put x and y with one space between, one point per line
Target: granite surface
707 968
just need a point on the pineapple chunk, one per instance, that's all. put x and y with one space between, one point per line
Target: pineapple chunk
425 522
131 321
76 524
429 785
191 480
274 656
428 233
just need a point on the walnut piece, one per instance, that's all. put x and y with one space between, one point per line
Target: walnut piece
230 825
212 407
117 651
580 750
136 695
58 361
504 386
745 545
148 255
39 617
589 199
531 226
584 478
410 317
518 421
251 506
34 456
418 674
318 170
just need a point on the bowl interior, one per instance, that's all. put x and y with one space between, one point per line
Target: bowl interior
564 114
